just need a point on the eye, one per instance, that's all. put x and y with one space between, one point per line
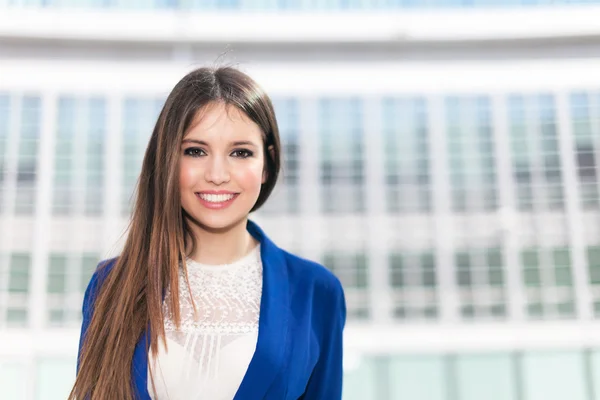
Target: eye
242 153
194 152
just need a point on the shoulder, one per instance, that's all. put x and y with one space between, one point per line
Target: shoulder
98 277
315 277
102 270
318 293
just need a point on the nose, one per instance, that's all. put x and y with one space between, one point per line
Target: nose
217 170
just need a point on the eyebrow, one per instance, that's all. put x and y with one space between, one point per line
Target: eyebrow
238 143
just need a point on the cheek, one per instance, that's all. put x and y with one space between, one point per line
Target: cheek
250 178
187 175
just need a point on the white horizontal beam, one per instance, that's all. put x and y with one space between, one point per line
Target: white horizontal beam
372 339
476 337
271 27
311 78
48 342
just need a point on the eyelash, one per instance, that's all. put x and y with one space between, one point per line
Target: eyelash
193 152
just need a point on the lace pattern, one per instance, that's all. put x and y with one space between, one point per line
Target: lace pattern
208 355
227 297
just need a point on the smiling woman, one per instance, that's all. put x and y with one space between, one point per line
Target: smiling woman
201 304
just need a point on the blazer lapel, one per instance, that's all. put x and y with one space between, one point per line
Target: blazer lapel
269 355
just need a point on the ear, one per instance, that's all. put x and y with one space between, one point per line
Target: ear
265 174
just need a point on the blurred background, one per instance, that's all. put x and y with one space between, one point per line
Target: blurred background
441 157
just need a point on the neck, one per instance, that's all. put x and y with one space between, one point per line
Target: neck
224 246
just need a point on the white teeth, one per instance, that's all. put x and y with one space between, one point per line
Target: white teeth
216 198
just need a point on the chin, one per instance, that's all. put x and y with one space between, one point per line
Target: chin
219 223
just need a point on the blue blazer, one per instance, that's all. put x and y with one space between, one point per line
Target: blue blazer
299 350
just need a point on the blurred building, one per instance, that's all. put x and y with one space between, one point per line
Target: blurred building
441 157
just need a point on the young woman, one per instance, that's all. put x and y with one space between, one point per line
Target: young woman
201 304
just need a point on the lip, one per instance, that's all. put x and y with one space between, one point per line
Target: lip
216 206
216 192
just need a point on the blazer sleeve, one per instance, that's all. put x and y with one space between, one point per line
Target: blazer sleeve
326 379
88 301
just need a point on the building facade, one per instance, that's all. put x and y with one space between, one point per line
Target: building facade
441 158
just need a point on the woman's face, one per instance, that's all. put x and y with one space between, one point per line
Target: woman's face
221 167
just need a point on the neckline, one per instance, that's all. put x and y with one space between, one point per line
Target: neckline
192 264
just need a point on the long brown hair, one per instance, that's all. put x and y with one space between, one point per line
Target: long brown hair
130 299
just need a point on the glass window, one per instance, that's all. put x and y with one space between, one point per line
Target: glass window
16 268
536 161
406 152
361 380
352 271
562 266
342 155
531 267
593 262
139 118
414 283
55 378
548 279
68 277
480 276
79 156
57 273
27 155
64 169
471 157
485 376
593 259
585 111
554 376
594 372
20 265
285 196
13 380
418 377
4 127
94 166
397 271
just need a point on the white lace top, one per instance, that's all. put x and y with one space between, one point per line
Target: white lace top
209 354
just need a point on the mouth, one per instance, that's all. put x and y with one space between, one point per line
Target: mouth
216 201
216 198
